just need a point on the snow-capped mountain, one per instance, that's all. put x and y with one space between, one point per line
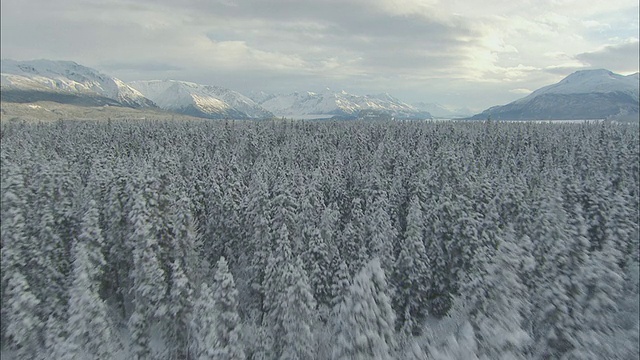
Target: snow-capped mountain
586 94
340 104
63 80
200 100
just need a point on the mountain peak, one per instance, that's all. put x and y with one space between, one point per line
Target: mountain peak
581 75
592 72
199 100
585 94
68 78
341 104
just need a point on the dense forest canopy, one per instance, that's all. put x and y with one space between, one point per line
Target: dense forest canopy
319 240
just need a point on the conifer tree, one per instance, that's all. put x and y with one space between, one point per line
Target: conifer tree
16 250
278 275
228 345
181 312
259 240
353 238
364 329
318 262
90 331
498 302
23 327
341 283
413 276
119 195
49 261
559 307
603 281
382 235
299 315
149 284
204 325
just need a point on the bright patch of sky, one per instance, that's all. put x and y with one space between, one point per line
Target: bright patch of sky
458 53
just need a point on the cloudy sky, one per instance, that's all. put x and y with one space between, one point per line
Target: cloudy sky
458 53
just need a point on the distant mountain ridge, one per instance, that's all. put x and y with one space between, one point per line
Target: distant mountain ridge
585 94
442 111
206 101
336 104
65 81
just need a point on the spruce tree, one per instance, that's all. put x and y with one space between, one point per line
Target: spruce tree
413 277
181 312
364 329
228 345
497 302
560 312
149 285
90 331
317 264
340 285
203 325
299 316
23 327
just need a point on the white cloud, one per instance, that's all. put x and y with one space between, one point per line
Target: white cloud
520 91
474 54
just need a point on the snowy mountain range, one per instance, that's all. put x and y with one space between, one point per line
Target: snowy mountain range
586 94
200 100
65 81
336 104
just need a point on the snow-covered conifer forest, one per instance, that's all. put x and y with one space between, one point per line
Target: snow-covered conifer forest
319 240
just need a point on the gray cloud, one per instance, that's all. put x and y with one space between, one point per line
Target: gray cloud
417 50
623 57
152 66
564 70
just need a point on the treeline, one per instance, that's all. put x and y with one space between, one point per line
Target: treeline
319 240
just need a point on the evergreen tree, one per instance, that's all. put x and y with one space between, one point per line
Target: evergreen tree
413 276
597 334
341 283
259 241
23 327
49 261
204 325
119 258
90 331
560 310
278 275
317 263
353 238
15 251
180 310
437 234
365 326
228 328
149 284
381 233
184 266
498 302
299 317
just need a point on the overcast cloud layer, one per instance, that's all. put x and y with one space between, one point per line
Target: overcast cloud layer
459 53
